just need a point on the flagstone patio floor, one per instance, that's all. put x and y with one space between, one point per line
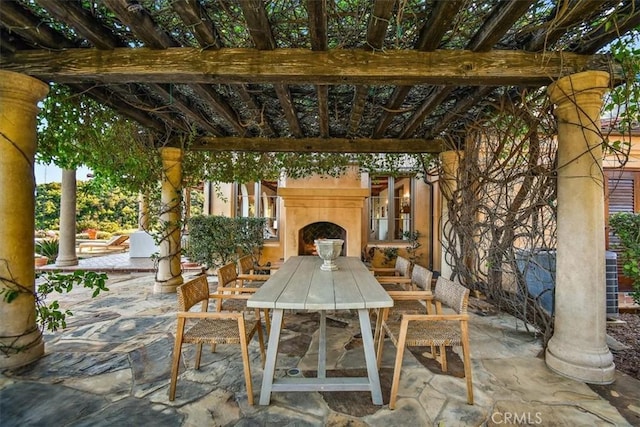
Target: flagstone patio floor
110 367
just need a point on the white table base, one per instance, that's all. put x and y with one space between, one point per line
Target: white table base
321 382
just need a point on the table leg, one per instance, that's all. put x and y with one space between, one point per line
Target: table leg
322 346
272 356
369 355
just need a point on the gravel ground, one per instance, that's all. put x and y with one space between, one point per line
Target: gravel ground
627 361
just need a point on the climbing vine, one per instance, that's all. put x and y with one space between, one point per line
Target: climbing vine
50 316
501 214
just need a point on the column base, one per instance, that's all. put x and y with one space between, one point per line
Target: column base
592 366
65 262
22 357
169 286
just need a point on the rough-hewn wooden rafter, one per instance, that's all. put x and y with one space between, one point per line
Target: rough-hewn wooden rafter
180 65
376 31
317 11
144 26
73 14
19 20
202 28
138 57
177 101
118 104
318 145
430 37
260 30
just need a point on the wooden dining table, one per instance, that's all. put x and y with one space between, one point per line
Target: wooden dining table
300 284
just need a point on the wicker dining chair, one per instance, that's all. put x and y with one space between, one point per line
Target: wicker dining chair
396 278
413 301
205 327
435 330
229 283
247 274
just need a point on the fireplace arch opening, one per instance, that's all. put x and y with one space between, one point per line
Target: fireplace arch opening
320 230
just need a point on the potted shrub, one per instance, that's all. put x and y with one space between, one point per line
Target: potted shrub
383 257
40 260
46 249
626 226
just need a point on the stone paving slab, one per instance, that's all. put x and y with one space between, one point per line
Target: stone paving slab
110 367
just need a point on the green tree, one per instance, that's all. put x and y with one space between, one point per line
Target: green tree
107 211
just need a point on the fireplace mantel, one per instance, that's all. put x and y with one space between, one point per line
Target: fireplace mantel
341 206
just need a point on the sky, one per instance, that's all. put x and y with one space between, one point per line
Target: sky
50 173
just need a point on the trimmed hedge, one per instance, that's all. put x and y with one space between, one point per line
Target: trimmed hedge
218 240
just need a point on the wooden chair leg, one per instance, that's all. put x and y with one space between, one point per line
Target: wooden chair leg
379 335
260 338
443 358
198 355
175 363
267 320
244 347
467 363
402 338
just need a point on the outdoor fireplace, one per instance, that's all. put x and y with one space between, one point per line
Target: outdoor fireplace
311 213
319 230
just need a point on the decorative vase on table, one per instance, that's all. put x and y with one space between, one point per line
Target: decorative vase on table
329 250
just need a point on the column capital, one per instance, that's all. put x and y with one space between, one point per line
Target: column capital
583 89
450 161
171 154
21 89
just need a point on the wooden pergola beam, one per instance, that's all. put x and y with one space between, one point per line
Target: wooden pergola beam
302 66
317 145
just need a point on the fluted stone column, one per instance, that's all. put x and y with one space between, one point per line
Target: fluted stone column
578 347
67 250
448 183
20 338
169 275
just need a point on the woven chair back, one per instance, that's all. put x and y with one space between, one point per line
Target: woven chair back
452 295
192 292
403 267
421 277
227 274
246 264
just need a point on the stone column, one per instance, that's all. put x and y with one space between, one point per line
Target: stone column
578 347
169 275
20 339
206 208
448 184
143 212
67 250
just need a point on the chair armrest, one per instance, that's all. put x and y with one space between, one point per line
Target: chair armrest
393 279
410 295
385 270
209 315
239 294
257 277
434 317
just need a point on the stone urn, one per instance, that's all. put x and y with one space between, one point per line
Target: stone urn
329 250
